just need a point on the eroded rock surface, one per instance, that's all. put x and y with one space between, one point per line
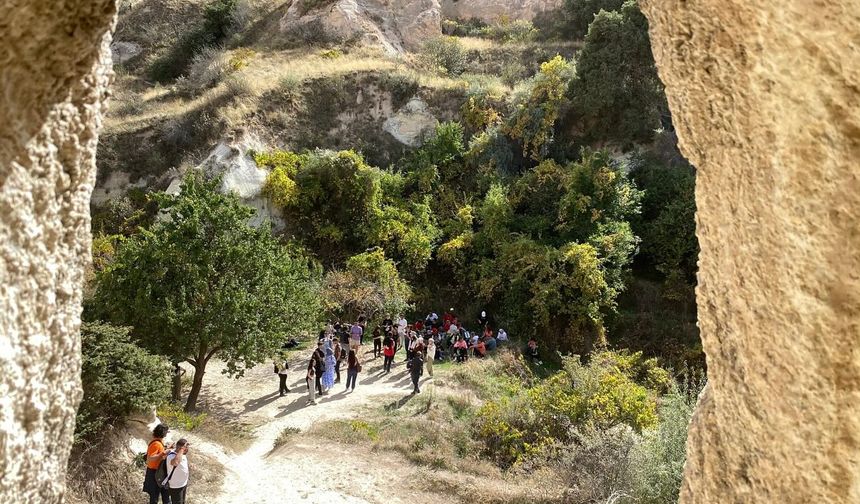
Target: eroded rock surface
766 101
393 25
54 75
491 10
411 124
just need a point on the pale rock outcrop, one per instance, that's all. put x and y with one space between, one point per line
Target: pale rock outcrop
231 160
491 10
124 51
54 76
394 25
412 123
766 101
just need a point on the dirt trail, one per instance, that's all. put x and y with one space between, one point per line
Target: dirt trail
308 469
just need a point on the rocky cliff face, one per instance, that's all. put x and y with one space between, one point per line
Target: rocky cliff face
766 103
491 10
53 82
394 25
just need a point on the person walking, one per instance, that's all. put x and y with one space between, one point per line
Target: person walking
431 355
177 469
338 359
416 369
281 368
377 341
388 351
356 332
330 363
352 369
177 381
319 366
155 453
311 381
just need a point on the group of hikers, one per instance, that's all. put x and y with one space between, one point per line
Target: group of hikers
433 339
423 342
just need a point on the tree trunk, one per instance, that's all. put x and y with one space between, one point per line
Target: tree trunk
196 385
177 386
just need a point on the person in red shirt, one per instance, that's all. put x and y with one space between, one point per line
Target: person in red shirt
388 351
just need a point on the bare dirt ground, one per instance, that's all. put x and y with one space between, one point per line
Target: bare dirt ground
308 468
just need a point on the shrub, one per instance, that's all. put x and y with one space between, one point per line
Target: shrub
118 378
659 459
331 54
280 186
207 69
217 21
580 14
599 396
505 30
596 465
285 436
173 415
446 55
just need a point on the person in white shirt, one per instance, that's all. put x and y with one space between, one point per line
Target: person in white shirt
177 470
502 336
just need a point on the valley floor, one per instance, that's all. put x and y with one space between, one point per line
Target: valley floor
309 467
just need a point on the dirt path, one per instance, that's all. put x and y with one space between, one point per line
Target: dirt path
309 469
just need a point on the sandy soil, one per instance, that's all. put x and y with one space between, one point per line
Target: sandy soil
307 469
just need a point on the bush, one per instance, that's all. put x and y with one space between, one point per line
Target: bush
118 378
217 21
599 396
596 466
446 55
285 436
173 415
506 31
580 14
207 69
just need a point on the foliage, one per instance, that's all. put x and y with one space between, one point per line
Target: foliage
579 14
339 206
667 224
506 30
369 285
658 460
617 93
118 378
201 282
536 112
599 396
178 418
445 54
285 436
217 20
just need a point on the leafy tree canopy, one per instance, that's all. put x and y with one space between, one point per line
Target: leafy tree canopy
201 282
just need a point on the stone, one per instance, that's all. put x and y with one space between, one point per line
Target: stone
55 72
231 160
766 102
490 11
395 26
124 51
412 123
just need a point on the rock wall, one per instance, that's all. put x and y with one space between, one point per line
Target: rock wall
491 10
54 74
766 102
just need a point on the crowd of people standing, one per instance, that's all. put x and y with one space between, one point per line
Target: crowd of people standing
423 342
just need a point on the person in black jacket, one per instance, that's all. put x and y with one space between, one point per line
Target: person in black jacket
319 366
416 369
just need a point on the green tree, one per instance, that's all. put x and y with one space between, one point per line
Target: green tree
117 377
201 282
369 284
617 94
579 14
536 112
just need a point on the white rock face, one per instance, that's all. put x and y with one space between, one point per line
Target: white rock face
124 51
115 186
491 10
240 175
54 80
411 124
394 25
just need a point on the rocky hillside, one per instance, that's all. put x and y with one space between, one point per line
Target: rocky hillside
202 82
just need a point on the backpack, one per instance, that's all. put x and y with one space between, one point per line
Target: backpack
162 479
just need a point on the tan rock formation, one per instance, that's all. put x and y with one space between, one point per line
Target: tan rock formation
54 73
491 10
766 99
394 25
